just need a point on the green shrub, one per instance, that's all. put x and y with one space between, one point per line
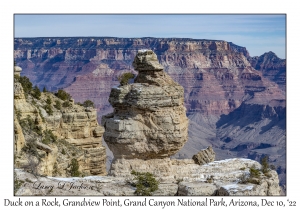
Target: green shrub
67 104
44 89
254 173
265 168
63 151
63 95
48 109
29 125
124 78
145 183
48 137
25 82
36 92
254 176
48 100
74 168
38 130
88 103
57 105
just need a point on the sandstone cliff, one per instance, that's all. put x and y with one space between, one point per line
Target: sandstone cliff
48 136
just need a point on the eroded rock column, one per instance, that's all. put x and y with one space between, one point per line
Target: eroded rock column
149 119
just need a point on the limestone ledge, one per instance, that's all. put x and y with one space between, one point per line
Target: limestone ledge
183 178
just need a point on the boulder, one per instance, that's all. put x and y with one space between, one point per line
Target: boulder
204 156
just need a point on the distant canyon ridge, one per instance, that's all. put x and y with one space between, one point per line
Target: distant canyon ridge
235 102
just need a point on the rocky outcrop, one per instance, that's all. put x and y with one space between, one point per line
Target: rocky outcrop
204 156
176 177
149 118
78 136
78 126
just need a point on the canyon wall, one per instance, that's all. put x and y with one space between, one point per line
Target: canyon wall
198 65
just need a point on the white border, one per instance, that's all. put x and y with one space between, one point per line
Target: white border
8 8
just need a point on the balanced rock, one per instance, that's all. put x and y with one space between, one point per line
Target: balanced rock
149 118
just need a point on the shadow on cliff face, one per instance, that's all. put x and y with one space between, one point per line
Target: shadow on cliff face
278 120
255 130
252 126
253 113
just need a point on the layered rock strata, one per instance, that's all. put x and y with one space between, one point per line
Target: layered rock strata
212 67
149 118
79 136
79 126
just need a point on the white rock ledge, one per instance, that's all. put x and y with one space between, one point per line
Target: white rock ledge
176 177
